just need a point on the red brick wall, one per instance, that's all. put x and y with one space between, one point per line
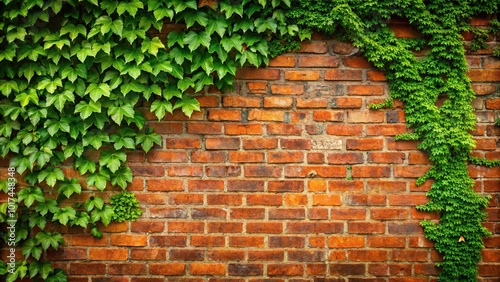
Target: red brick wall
289 178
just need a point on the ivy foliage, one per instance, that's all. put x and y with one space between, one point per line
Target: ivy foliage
72 77
442 130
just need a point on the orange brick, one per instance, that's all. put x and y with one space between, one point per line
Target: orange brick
284 61
278 102
262 74
241 102
346 242
302 75
224 115
207 269
343 74
287 89
318 61
365 90
108 254
265 115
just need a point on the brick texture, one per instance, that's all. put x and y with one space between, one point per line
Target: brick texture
289 178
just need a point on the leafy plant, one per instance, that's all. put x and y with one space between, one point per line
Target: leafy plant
125 207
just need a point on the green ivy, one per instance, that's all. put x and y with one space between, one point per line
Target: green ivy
125 207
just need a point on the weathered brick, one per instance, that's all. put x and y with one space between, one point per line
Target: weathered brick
262 74
167 269
264 227
245 185
109 254
346 242
183 143
245 269
246 157
207 269
356 62
285 270
243 129
344 129
302 75
317 47
284 61
367 255
278 102
262 171
225 227
284 129
328 115
366 144
386 241
224 115
246 241
318 61
287 89
284 213
477 75
167 156
365 227
266 115
208 157
241 102
204 128
365 90
217 143
343 74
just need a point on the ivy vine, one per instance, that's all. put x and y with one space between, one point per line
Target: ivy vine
72 73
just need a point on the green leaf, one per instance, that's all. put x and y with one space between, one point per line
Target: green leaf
195 40
104 215
175 37
199 17
98 179
51 175
64 215
72 74
87 109
188 105
81 219
94 202
28 70
160 107
108 24
7 86
32 248
123 139
152 46
185 83
148 139
117 113
181 5
112 160
49 205
244 25
48 239
83 165
36 219
44 269
231 9
96 91
26 97
121 177
234 41
205 61
53 126
161 13
218 25
201 80
265 24
68 187
95 140
95 232
179 55
73 30
131 7
30 195
60 99
57 276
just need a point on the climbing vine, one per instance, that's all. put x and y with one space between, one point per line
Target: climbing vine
73 73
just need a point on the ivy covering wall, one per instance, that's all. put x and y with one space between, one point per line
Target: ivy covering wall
72 74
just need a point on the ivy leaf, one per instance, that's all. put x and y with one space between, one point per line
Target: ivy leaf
234 41
181 5
83 165
191 17
49 205
60 99
148 139
73 30
51 175
53 126
98 179
118 112
171 91
36 219
265 24
201 80
244 25
96 91
188 105
112 160
131 7
180 54
152 46
124 138
68 187
58 276
205 61
162 13
32 247
107 24
26 97
7 86
160 107
30 195
231 9
28 70
93 202
44 269
104 215
175 37
185 83
195 40
64 215
48 239
73 73
95 232
122 177
263 3
81 219
86 109
95 140
219 25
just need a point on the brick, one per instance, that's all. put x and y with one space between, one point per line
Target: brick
347 269
183 143
224 199
313 47
185 171
302 75
295 144
260 143
243 129
371 171
245 185
246 241
409 255
164 185
326 200
203 213
247 213
284 61
366 200
246 157
266 115
284 129
246 269
168 240
264 200
223 171
383 269
366 90
208 101
205 185
348 213
343 74
256 74
491 255
204 128
207 241
376 76
207 269
87 240
313 171
306 255
186 254
388 213
167 269
318 62
408 200
367 255
365 227
356 62
278 102
263 171
483 75
366 144
316 269
186 199
108 254
404 228
225 227
264 227
285 157
284 213
386 129
344 129
145 254
208 157
404 31
167 157
346 242
386 242
307 103
483 89
257 87
328 115
65 254
128 240
224 115
314 227
216 143
317 241
348 103
365 117
266 255
315 158
241 102
386 157
152 198
285 269
318 213
287 89
87 268
345 185
172 128
186 227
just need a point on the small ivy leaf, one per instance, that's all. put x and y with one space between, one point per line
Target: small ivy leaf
93 202
36 219
64 215
181 5
25 98
152 46
68 187
31 247
124 138
219 26
131 7
234 41
201 80
175 37
195 40
87 109
263 3
188 105
199 17
231 9
104 215
49 205
95 232
98 179
96 91
59 99
148 139
161 107
48 239
117 113
58 276
7 86
30 195
81 219
121 177
50 175
162 13
185 83
112 160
